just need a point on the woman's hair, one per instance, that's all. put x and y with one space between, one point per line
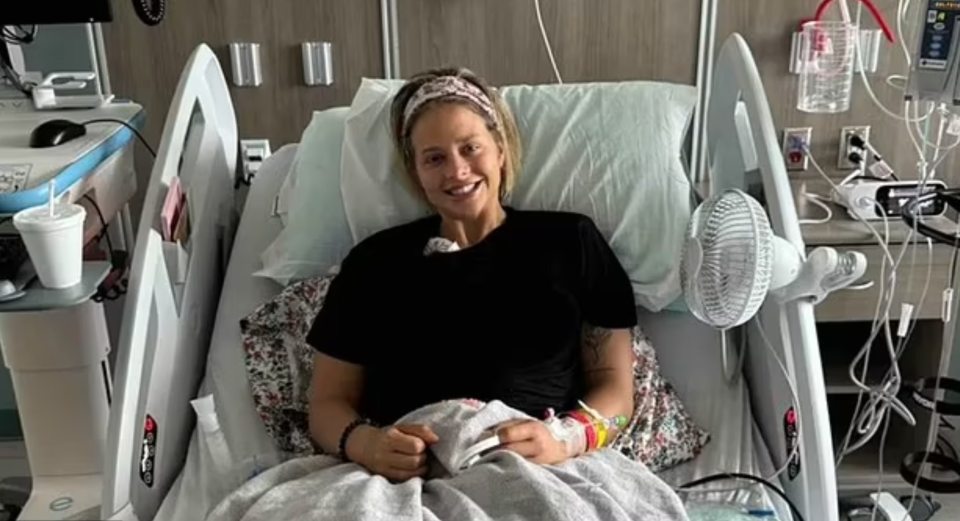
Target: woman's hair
502 126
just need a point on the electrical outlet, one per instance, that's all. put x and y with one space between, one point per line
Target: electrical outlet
847 148
794 141
253 152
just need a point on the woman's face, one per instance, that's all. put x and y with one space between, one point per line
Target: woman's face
458 161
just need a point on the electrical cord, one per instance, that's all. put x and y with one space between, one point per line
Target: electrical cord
9 34
103 225
129 126
7 71
816 201
115 288
546 42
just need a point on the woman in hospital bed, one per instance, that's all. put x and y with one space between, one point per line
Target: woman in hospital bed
479 300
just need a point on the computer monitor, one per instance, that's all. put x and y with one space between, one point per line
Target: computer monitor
29 12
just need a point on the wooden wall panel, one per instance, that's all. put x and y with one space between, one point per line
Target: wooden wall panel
145 62
592 40
767 26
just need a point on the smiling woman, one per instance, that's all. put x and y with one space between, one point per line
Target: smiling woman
499 315
460 146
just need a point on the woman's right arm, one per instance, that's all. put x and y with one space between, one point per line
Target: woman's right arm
397 452
334 400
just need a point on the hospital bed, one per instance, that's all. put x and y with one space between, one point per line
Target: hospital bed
172 459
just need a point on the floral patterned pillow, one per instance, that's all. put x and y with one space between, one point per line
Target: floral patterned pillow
661 434
279 361
279 364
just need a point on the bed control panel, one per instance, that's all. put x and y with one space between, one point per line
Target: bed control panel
791 432
148 450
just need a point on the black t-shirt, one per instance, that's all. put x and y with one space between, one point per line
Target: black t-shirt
501 319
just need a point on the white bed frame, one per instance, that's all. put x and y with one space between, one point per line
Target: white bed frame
167 326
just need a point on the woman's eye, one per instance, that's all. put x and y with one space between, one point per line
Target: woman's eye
434 159
471 148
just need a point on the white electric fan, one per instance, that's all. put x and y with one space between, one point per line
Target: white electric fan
732 260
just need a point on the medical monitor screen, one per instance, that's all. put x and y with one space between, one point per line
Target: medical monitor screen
29 12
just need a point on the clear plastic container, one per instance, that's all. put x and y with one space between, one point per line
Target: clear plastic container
826 66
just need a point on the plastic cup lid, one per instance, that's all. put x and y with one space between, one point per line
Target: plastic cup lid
38 218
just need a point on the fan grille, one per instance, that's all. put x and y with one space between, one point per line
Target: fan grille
735 271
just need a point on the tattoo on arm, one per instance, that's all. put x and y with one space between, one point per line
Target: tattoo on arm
594 338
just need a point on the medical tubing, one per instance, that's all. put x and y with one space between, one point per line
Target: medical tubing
931 440
738 475
883 445
569 431
877 15
869 422
880 300
903 7
883 401
923 135
931 431
903 340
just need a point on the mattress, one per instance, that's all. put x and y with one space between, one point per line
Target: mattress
723 409
205 477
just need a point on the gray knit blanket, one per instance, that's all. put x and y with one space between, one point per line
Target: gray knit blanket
500 485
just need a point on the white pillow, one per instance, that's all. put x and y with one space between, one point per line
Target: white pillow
611 151
315 236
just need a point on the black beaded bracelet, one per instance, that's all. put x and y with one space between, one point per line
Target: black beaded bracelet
342 449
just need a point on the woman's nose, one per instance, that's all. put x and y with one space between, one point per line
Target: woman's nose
459 167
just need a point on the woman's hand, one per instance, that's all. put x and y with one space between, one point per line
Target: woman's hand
397 452
532 440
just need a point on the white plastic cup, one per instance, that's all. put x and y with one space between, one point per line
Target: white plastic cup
826 66
54 243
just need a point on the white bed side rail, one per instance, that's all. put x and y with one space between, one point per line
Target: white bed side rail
733 157
169 313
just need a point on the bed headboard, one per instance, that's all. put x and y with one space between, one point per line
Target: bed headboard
170 309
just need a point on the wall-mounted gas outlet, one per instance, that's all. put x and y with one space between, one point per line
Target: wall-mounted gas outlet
848 151
794 141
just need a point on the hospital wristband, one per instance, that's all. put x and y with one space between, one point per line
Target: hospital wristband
589 428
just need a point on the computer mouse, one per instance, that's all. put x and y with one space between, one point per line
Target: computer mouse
55 132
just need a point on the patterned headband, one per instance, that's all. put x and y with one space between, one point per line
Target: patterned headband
448 87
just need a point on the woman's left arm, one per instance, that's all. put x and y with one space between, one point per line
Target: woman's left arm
608 366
